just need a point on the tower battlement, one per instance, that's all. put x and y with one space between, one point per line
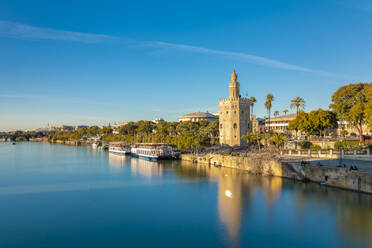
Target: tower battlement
241 99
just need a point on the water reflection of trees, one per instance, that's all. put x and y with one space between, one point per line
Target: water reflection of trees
353 210
236 190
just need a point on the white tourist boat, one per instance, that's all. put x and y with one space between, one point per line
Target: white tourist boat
96 144
119 148
152 151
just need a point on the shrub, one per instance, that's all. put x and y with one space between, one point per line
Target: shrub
20 138
305 144
348 145
315 147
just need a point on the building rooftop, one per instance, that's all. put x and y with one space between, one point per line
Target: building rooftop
199 114
284 117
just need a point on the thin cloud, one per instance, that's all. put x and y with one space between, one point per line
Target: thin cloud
364 5
247 57
253 59
76 100
16 30
19 96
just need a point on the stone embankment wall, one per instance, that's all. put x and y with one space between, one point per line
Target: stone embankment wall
268 165
68 142
43 139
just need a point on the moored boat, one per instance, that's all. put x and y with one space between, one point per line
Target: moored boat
152 151
119 148
96 144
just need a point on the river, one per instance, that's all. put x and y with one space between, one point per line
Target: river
66 196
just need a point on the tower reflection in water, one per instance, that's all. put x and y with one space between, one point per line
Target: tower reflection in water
235 192
235 189
229 199
240 195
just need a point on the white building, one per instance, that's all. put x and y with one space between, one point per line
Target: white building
158 120
198 116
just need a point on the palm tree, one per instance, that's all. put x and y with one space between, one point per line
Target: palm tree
268 105
297 102
252 101
276 113
285 111
278 139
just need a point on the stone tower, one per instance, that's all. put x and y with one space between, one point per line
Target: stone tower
234 115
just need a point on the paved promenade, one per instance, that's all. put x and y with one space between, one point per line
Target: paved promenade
364 166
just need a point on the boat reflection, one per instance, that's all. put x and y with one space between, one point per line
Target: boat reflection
117 162
146 168
141 167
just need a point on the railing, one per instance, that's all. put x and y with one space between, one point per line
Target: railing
364 154
309 151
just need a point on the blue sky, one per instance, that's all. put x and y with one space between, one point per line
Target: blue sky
95 62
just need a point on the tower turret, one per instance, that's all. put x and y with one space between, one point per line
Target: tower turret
234 86
234 116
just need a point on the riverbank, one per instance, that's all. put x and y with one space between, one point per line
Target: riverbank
271 165
71 142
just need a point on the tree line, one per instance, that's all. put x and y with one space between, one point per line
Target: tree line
351 103
314 123
181 134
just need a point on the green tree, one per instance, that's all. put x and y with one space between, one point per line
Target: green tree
268 105
278 139
93 130
320 120
314 123
350 103
252 101
106 130
298 103
128 129
276 113
368 94
253 139
300 123
80 132
285 111
145 127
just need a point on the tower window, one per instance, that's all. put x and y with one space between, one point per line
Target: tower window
235 126
221 125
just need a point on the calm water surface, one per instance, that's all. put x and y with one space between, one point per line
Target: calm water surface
62 196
